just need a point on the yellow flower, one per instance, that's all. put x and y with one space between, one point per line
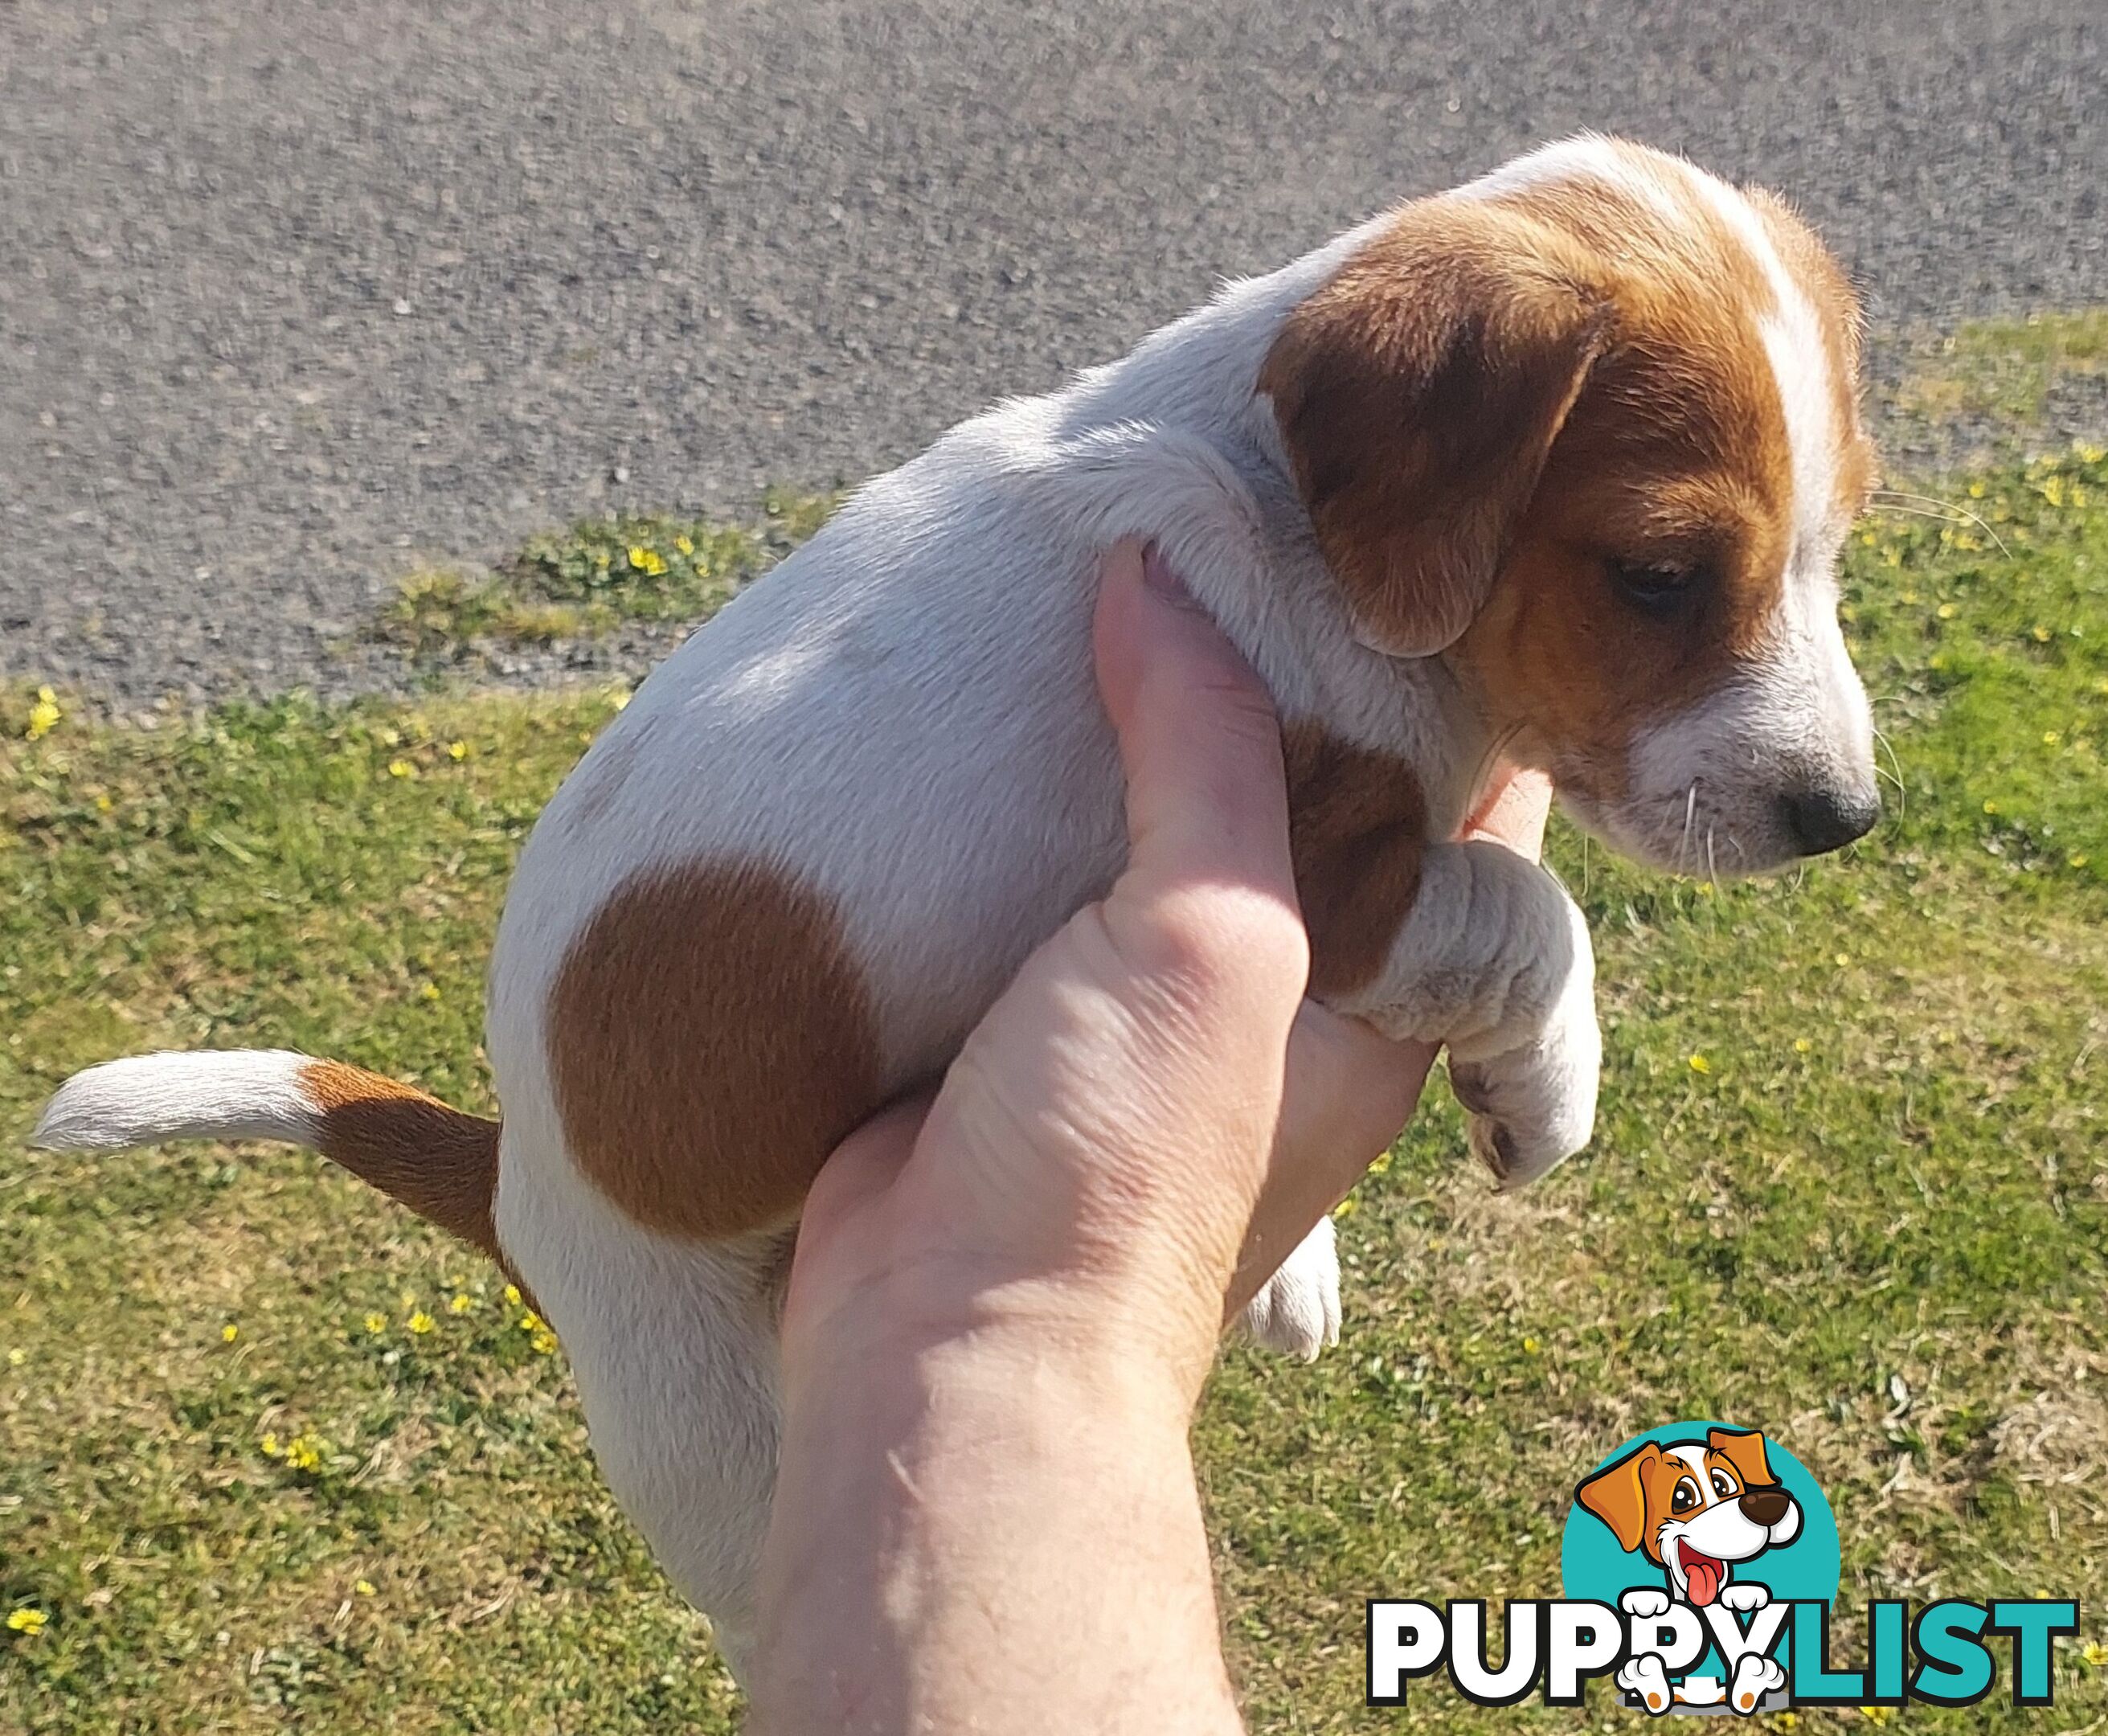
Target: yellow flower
1877 1714
103 804
1346 1208
1843 960
1801 1045
544 1341
2089 454
429 992
2049 738
1379 1164
2077 858
30 1621
376 1323
364 1588
1531 1346
401 768
420 1322
457 749
304 1453
1976 491
1947 612
2042 635
16 1356
512 1294
1699 1064
229 1332
269 1444
2095 1653
44 715
1989 805
683 544
647 561
460 1304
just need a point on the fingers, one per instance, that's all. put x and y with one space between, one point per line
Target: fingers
1348 1093
1207 803
1514 812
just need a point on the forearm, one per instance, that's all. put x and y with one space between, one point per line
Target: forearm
998 1532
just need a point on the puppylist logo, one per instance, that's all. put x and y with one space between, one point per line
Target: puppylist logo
1700 1563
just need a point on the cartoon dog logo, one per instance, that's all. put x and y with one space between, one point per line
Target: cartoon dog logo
1697 1510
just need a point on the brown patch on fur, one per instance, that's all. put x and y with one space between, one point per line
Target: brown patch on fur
440 1161
1356 829
710 1043
1418 392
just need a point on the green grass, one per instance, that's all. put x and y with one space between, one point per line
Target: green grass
2003 371
583 582
1889 1176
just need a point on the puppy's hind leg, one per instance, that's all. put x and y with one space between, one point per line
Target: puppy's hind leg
1297 1313
672 1345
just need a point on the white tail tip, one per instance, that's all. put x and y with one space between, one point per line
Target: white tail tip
231 1094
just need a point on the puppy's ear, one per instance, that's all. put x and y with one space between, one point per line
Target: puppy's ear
1617 1495
1418 394
1743 1449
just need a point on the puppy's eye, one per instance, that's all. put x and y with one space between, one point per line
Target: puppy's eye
1723 1484
1684 1497
1657 588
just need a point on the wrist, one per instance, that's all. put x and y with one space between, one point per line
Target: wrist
1143 1349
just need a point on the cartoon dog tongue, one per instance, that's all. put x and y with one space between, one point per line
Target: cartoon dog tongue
1704 1573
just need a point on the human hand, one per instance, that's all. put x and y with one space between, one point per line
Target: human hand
1004 1299
1152 1116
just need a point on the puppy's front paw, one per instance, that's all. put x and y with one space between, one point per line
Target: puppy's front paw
1754 1677
1298 1312
1645 1602
1644 1676
1533 1105
1745 1595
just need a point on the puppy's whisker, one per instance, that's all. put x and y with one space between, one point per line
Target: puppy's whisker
1952 512
1895 772
1690 814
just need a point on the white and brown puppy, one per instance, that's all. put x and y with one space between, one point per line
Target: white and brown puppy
1695 1510
1555 466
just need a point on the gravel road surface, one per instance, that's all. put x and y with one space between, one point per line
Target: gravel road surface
294 294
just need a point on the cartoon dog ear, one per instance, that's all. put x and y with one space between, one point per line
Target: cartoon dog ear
1418 395
1617 1495
1743 1449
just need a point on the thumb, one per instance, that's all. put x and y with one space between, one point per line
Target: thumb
1207 799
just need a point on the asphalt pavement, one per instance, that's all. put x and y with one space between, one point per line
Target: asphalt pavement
296 293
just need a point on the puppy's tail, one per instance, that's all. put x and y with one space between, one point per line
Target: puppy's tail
439 1162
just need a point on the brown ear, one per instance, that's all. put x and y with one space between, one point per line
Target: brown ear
1616 1495
1743 1449
1418 394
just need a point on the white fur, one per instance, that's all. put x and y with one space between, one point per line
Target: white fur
1297 1311
240 1094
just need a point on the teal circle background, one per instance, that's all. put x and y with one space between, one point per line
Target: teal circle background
1590 1564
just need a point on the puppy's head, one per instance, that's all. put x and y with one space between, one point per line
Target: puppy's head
1588 430
1694 1510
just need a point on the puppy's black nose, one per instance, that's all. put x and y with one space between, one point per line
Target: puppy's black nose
1764 1506
1824 818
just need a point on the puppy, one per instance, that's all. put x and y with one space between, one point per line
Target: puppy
1694 1510
1553 467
